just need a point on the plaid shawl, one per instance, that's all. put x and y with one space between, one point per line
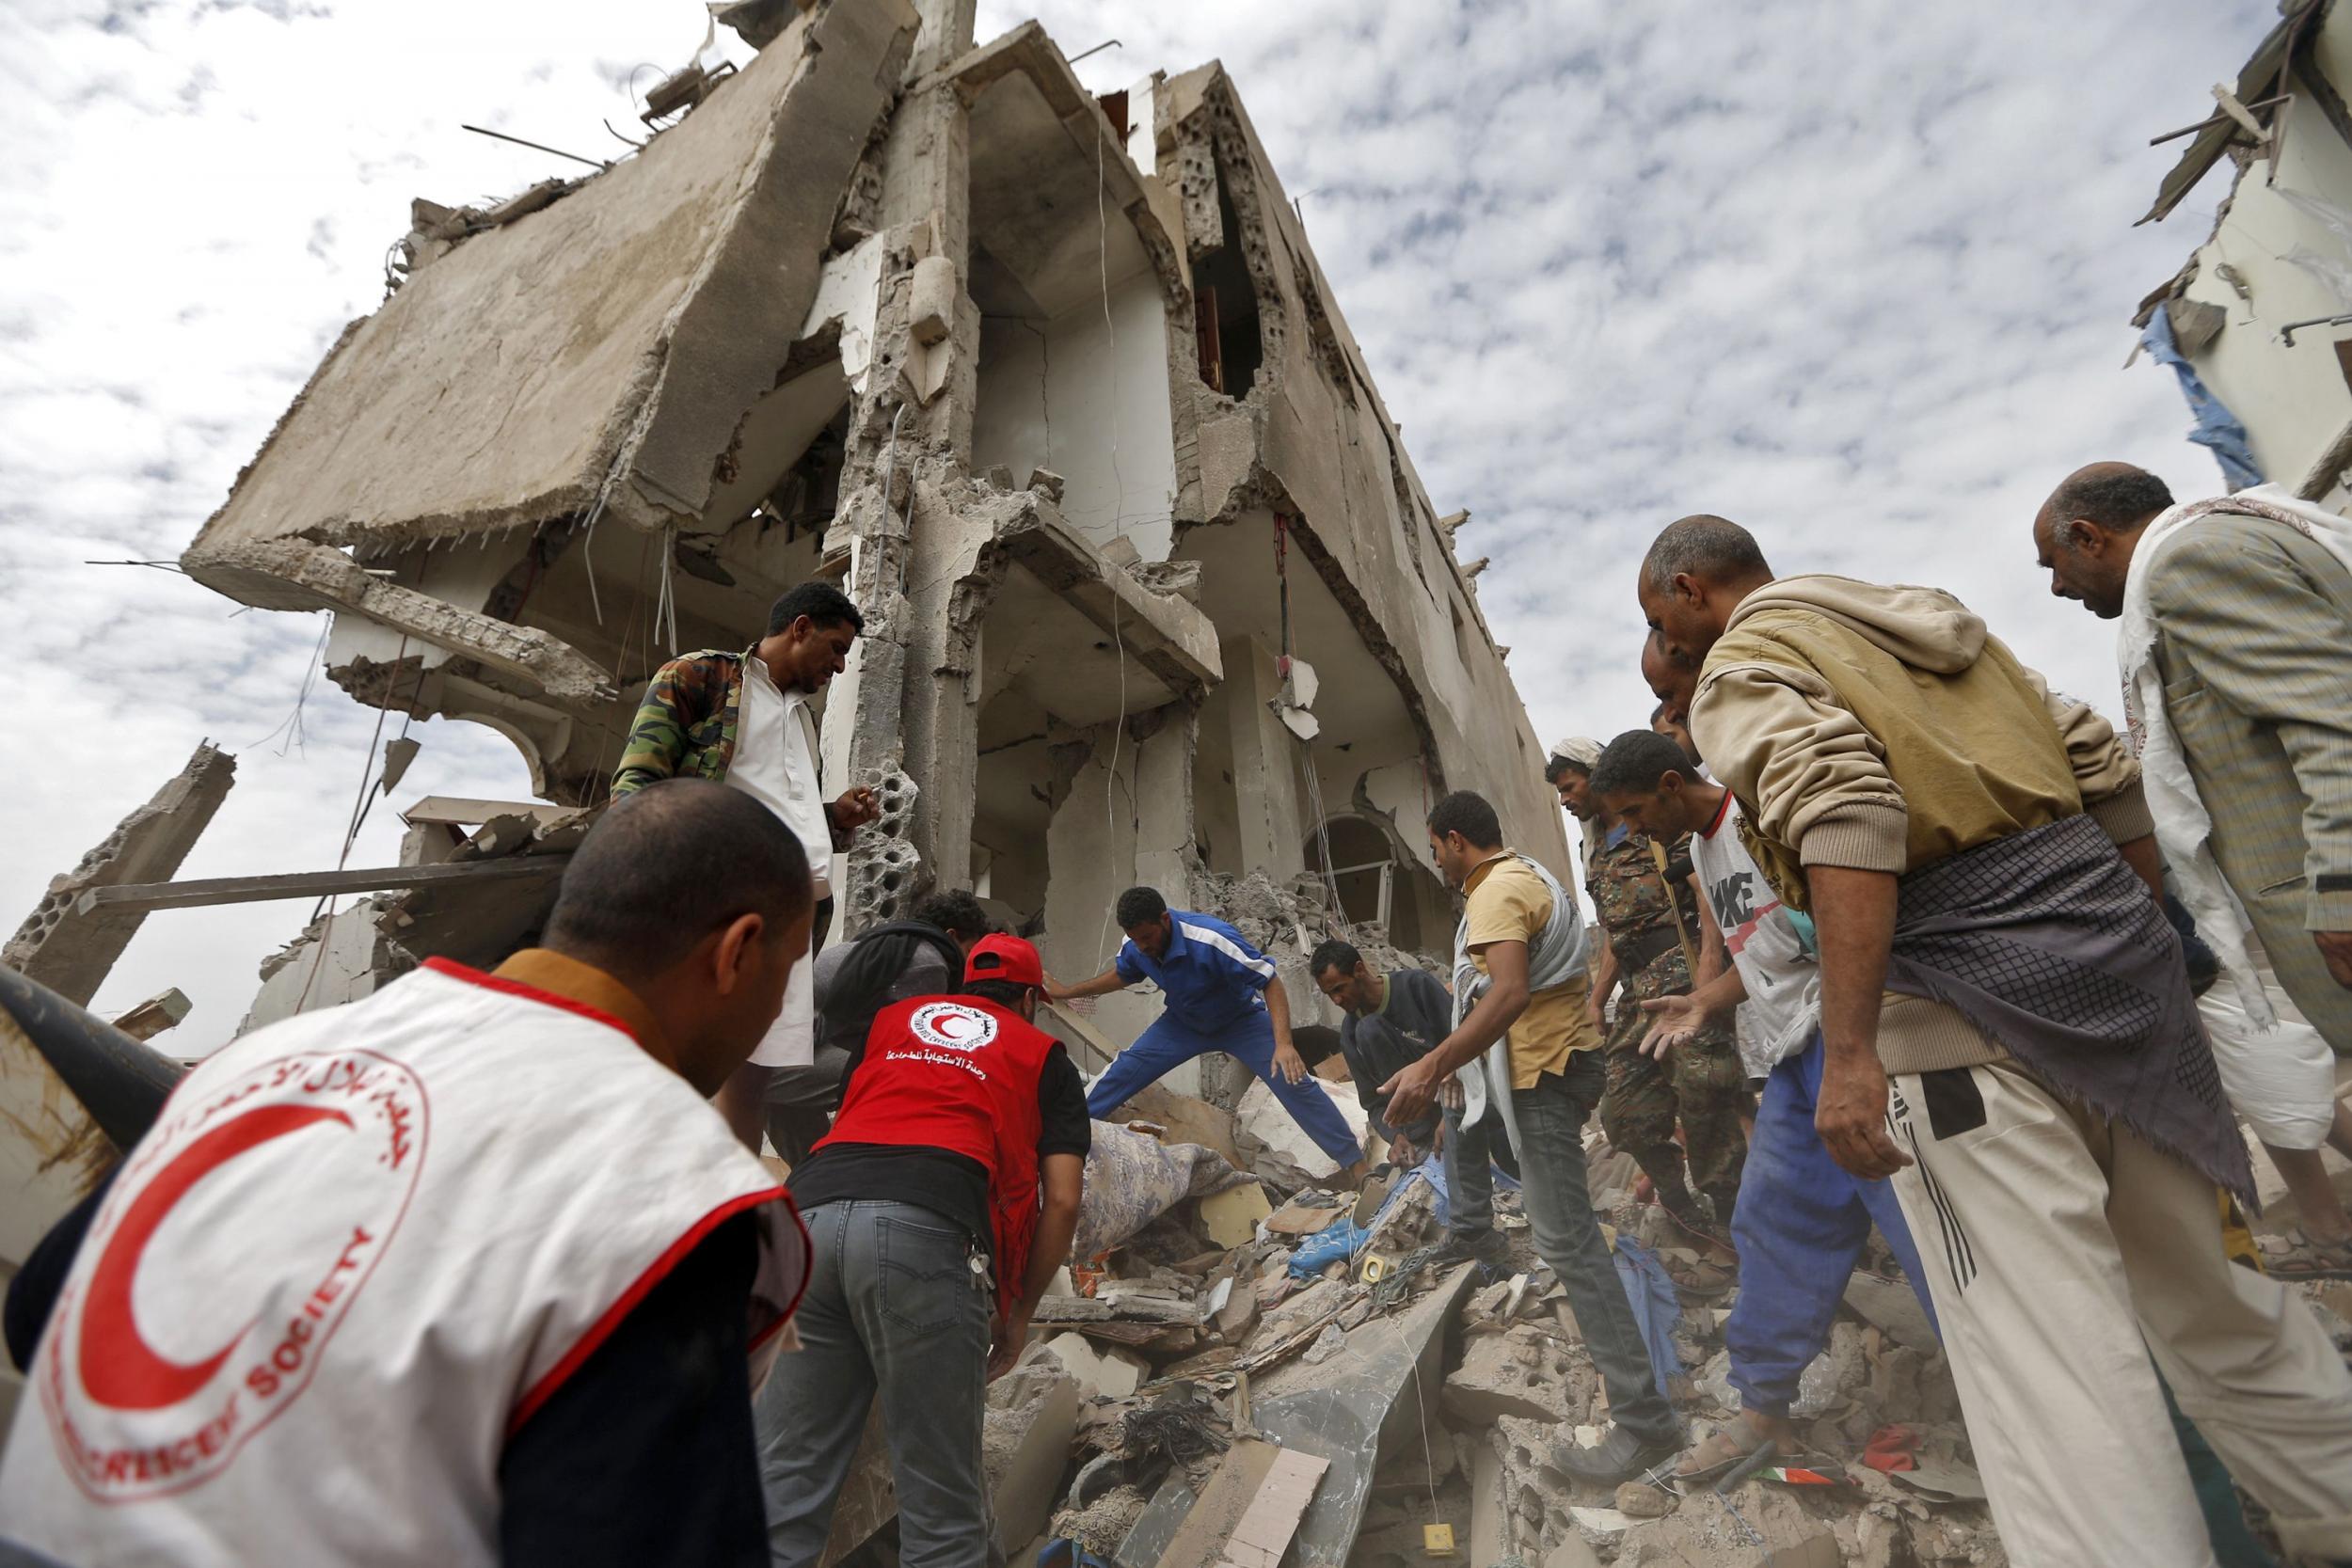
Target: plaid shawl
2048 943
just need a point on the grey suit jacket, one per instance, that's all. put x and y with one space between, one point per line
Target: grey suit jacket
2255 645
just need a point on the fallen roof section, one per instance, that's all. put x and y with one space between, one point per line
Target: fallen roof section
699 254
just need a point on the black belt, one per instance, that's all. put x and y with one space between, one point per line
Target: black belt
1639 951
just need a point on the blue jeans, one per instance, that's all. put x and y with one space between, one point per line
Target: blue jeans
1249 1040
896 1310
1800 1225
1560 1218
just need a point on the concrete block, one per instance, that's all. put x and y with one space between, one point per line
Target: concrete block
71 953
1026 1449
1524 1372
931 304
1895 1309
1100 1370
1232 1216
1290 1154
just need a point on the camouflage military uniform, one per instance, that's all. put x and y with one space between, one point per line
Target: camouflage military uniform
685 727
1702 1080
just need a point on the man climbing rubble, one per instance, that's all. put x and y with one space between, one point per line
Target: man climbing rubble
1529 1055
1802 1223
1391 1021
919 956
1647 904
1921 794
940 1207
465 1271
1222 994
744 721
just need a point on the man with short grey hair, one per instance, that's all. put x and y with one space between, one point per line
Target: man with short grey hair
1980 866
2235 656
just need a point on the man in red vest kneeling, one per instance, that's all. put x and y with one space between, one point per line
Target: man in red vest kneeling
940 1207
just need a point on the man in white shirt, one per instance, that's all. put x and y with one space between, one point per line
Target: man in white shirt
1802 1222
745 720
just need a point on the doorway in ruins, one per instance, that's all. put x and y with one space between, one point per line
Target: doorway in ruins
1378 884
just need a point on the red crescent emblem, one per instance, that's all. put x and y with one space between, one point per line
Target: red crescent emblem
118 1366
941 1021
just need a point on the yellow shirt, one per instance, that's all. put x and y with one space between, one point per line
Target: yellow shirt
1505 901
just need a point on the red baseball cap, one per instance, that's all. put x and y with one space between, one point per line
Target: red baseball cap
1003 958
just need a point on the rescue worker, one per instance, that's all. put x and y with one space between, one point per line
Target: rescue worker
1391 1021
1648 907
931 1252
1222 995
468 1272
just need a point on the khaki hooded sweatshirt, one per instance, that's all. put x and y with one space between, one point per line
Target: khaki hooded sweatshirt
1883 729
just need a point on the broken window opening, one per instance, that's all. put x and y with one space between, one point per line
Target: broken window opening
1225 302
1380 886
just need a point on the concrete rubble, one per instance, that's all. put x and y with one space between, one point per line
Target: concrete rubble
1048 382
1378 1397
70 951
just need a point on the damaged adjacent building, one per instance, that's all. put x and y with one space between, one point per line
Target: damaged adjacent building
1052 385
2258 322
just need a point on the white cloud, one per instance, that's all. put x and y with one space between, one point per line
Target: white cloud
1854 275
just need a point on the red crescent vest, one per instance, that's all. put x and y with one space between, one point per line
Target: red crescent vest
958 1073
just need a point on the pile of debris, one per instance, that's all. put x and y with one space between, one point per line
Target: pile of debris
1245 1368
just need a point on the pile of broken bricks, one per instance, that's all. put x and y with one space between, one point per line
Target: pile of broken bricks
1189 1399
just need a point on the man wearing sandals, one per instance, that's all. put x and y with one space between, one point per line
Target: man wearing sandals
1802 1223
2235 652
2007 1033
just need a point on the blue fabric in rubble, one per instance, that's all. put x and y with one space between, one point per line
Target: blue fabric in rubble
2216 428
1657 1306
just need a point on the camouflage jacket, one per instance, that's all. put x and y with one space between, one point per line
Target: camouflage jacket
685 728
1631 899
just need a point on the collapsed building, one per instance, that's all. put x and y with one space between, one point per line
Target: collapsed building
1052 385
2257 323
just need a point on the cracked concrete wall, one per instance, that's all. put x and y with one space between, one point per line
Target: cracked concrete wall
1314 439
71 953
663 296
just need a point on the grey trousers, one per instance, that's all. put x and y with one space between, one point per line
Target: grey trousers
1559 1219
894 1309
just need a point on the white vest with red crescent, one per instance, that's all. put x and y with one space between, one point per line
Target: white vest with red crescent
358 1250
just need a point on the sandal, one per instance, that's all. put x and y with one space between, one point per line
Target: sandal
1719 1452
2305 1258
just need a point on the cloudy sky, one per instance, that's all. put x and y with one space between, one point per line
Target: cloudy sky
1855 275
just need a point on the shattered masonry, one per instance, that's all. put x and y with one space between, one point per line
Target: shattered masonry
1053 387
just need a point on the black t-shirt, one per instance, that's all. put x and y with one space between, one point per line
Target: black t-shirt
954 1186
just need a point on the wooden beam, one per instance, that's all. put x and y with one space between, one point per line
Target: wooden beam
311 884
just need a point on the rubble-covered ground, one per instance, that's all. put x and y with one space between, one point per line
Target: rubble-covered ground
1210 1389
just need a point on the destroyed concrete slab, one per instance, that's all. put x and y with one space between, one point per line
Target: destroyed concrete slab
1231 1217
1523 1373
1894 1307
448 411
1026 1449
1100 1370
1289 1153
1032 1413
1365 1401
71 953
161 1011
1246 1516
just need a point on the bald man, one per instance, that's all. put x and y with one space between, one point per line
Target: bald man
1978 860
2235 656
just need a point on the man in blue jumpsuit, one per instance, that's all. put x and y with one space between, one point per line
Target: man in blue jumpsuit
1222 995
